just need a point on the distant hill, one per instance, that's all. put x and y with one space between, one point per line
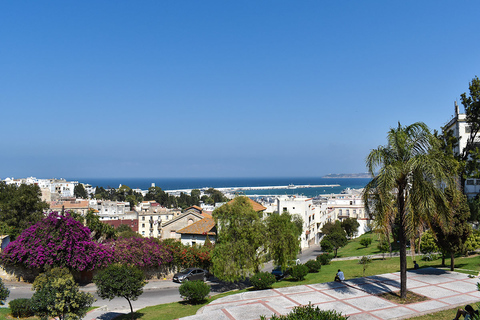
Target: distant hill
348 175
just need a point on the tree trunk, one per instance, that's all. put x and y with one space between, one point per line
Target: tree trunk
452 261
131 308
403 242
412 248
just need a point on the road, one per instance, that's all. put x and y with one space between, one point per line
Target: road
155 292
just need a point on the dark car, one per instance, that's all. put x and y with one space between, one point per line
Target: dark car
278 272
191 274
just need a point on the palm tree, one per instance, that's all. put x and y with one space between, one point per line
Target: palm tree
408 185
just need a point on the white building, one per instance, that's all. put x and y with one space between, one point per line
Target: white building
461 130
315 213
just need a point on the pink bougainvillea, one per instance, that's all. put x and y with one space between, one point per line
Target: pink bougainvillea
141 252
57 241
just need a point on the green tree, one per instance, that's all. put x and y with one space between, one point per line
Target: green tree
20 206
80 192
4 292
451 236
57 295
350 225
120 281
366 242
383 246
283 238
474 205
428 243
336 239
124 231
241 235
407 184
365 261
470 154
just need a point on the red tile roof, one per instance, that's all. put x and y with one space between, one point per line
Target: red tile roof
204 226
255 205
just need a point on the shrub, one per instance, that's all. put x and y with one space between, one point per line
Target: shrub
313 266
194 291
324 258
58 240
429 257
366 242
262 280
21 308
141 252
299 272
309 312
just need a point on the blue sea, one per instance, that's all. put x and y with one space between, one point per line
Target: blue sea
197 183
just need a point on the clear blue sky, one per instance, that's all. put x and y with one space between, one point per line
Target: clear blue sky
223 88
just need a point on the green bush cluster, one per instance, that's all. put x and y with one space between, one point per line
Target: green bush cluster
298 272
262 280
324 258
366 242
21 308
309 312
194 291
313 266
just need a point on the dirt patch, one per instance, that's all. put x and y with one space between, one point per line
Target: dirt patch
395 297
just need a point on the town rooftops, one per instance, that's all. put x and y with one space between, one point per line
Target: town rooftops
255 205
204 226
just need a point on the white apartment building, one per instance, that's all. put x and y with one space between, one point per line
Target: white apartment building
151 217
60 187
110 210
349 205
315 213
461 130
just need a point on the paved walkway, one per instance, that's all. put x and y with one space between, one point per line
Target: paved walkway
355 297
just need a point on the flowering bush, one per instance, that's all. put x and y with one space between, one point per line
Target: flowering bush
189 257
262 280
57 241
324 258
313 266
141 252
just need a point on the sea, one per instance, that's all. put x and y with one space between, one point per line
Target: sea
198 183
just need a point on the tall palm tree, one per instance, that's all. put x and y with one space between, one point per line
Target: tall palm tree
408 184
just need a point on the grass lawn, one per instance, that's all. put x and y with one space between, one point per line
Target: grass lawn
354 248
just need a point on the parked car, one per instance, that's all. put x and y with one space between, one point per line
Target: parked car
279 273
191 274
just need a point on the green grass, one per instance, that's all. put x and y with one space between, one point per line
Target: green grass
354 248
448 314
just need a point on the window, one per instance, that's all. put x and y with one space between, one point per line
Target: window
478 182
468 129
284 208
340 211
354 211
143 218
143 225
348 212
470 182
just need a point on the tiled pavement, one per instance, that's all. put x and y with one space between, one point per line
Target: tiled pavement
355 297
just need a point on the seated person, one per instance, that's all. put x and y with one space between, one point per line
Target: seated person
339 276
468 313
415 265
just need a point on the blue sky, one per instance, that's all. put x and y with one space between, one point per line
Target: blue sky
223 88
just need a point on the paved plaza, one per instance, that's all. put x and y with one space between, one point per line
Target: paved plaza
355 298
